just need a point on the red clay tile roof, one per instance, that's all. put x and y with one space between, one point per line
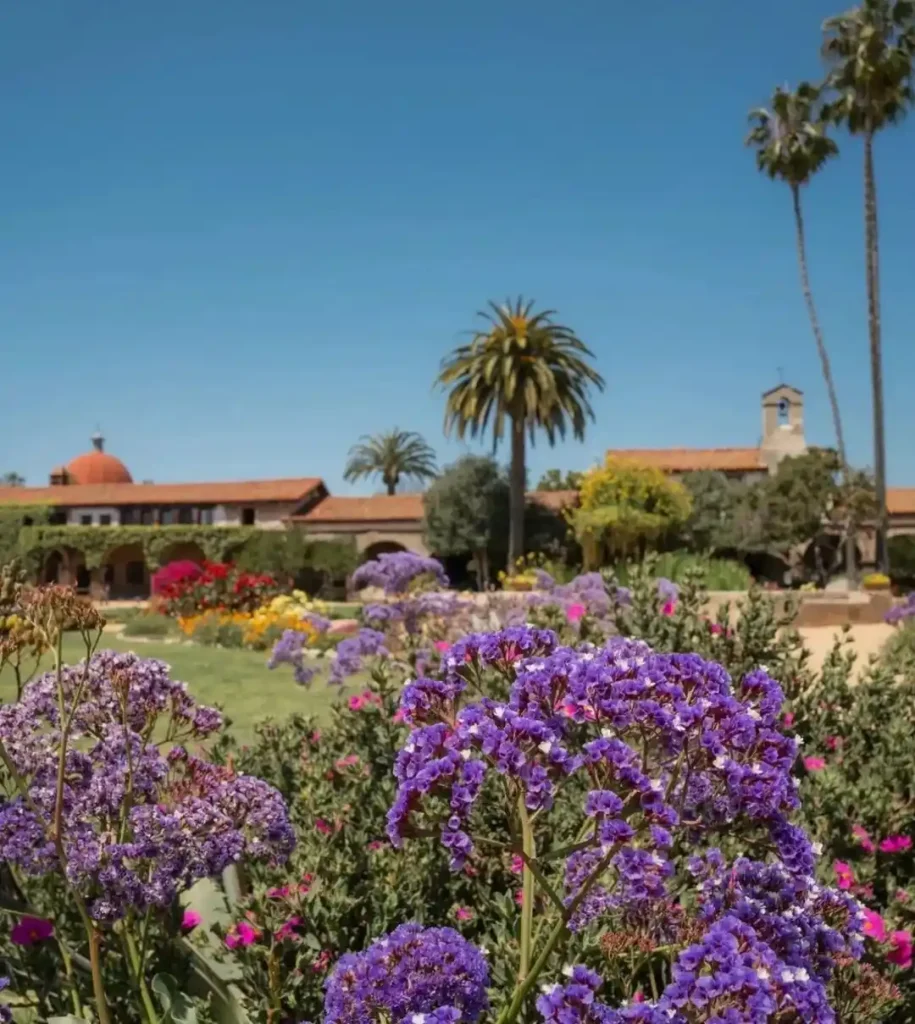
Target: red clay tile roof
222 493
685 460
387 508
400 508
900 501
98 468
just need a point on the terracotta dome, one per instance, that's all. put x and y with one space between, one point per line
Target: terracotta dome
98 467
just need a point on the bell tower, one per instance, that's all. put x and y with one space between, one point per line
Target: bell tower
783 424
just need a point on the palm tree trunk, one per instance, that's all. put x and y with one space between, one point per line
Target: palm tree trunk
872 253
850 549
516 482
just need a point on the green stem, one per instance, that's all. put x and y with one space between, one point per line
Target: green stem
511 1012
98 985
68 967
527 890
134 957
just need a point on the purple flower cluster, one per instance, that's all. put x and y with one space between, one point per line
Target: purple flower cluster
290 650
576 1001
6 1014
414 975
418 610
667 590
663 740
588 590
902 612
367 643
394 572
137 827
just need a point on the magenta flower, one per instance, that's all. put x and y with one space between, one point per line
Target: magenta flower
278 892
190 920
900 950
814 764
874 926
356 702
348 762
287 930
895 844
463 914
788 719
242 934
575 612
376 844
323 827
517 863
441 646
28 931
833 742
863 837
845 877
668 608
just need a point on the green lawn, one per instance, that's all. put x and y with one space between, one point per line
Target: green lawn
238 681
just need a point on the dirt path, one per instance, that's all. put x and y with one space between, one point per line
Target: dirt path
867 640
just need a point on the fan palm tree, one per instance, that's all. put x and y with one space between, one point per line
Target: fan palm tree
392 455
869 52
522 371
792 146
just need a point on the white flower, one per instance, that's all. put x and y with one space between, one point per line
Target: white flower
465 754
547 989
817 848
546 746
567 970
754 714
474 729
608 734
499 713
762 973
418 1018
720 761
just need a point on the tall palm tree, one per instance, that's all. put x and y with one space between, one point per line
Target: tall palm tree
792 146
524 370
869 52
392 455
12 480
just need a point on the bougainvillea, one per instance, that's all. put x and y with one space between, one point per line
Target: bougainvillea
180 590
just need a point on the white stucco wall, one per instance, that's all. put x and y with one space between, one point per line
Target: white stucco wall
74 515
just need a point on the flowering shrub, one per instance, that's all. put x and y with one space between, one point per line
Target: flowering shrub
900 614
398 572
256 630
102 828
215 586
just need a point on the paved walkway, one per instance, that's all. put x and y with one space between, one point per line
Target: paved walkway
867 640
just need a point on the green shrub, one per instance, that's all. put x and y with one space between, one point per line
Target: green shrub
713 573
149 624
214 630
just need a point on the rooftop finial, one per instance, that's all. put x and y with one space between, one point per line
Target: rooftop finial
98 441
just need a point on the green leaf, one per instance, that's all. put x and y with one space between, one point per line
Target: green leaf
68 1019
177 1008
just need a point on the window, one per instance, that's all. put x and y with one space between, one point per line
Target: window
206 517
247 517
167 517
129 516
85 519
147 517
104 520
782 412
186 516
57 519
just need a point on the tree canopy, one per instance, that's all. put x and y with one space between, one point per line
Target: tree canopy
394 455
626 506
556 480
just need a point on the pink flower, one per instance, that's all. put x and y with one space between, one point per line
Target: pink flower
278 893
348 761
833 742
28 931
517 863
861 834
316 736
356 703
902 896
242 934
322 960
788 719
874 926
519 897
398 716
900 950
190 920
575 612
716 629
895 844
376 844
323 827
463 914
441 646
639 997
668 608
845 877
814 764
287 930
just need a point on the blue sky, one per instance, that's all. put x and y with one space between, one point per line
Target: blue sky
236 236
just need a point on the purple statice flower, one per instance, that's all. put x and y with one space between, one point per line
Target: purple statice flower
320 623
626 717
415 611
412 974
138 827
394 572
290 650
575 1002
623 596
367 643
667 590
588 590
902 612
733 975
6 1014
